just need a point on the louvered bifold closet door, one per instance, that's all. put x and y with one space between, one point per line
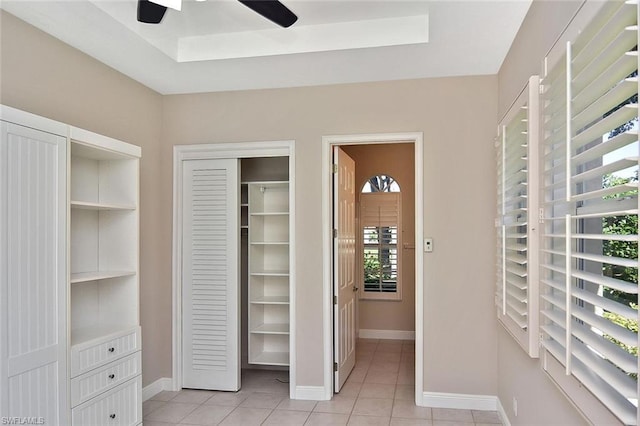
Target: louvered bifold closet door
589 272
516 285
210 275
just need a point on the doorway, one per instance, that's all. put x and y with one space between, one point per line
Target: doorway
369 322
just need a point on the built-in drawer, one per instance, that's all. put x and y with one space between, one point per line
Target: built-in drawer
120 406
97 352
93 383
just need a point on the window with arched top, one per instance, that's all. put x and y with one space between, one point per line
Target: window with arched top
380 183
380 220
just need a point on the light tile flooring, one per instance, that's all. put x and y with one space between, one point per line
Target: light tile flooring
379 391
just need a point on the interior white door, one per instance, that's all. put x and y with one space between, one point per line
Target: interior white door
33 274
344 252
210 275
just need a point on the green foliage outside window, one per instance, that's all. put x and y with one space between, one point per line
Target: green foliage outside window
621 225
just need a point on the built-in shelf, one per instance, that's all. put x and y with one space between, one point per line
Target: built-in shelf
271 329
104 260
244 205
270 273
84 205
270 214
80 277
271 358
271 300
270 243
268 217
244 227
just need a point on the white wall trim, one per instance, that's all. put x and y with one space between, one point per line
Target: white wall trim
152 389
27 119
310 393
460 401
328 142
181 153
364 333
503 414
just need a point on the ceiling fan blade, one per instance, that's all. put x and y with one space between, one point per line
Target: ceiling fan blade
172 4
273 10
149 12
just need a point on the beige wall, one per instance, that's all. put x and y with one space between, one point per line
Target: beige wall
539 400
457 116
44 76
396 160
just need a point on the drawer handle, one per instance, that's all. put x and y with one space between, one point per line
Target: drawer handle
111 350
112 416
112 376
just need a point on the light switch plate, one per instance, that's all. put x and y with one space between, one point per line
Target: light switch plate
428 245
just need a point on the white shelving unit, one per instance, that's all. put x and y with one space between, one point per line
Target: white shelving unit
71 202
268 222
104 278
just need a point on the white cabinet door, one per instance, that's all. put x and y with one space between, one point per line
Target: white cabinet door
344 252
210 275
33 275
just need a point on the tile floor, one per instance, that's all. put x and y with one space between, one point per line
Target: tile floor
379 391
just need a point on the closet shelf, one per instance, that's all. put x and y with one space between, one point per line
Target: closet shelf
271 329
270 243
81 277
271 358
84 205
271 300
282 273
269 213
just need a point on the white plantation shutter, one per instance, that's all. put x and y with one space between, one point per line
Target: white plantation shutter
516 285
380 220
590 163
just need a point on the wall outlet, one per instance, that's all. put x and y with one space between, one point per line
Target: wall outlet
515 406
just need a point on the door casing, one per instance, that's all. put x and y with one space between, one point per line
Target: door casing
328 142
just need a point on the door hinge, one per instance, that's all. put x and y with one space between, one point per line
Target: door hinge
334 168
335 233
335 366
541 215
335 300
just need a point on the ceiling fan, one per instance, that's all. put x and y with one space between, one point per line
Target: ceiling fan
152 11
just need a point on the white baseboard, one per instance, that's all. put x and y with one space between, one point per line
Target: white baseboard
156 387
387 334
460 401
312 393
503 414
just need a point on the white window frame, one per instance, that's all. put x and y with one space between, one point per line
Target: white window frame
373 295
570 352
517 219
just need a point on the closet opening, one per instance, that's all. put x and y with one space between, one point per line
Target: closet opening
264 277
233 267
